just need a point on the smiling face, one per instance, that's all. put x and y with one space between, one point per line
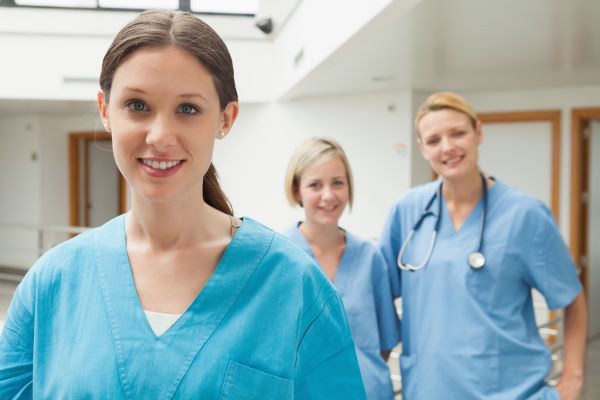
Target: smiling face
323 192
449 142
164 116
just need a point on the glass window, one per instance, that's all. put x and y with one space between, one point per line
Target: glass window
57 3
225 6
139 4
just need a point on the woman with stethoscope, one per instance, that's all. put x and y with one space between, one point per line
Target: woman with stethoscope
466 252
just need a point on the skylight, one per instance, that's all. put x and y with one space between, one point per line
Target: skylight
243 7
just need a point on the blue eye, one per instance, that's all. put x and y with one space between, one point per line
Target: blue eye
137 106
187 109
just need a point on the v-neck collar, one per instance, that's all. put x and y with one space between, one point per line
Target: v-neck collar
135 342
339 281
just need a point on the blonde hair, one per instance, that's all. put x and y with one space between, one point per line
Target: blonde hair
443 101
311 153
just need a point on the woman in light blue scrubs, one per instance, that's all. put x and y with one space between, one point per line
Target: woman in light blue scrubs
177 299
319 179
469 330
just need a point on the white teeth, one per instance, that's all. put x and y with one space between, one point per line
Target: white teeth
160 164
453 160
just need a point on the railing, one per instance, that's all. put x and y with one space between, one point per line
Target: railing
22 244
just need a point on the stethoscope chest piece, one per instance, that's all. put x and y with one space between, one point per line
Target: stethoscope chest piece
476 260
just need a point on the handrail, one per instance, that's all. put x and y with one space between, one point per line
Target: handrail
46 228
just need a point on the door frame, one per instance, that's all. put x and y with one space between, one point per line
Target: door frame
75 175
554 118
578 241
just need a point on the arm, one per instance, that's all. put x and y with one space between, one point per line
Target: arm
388 323
389 245
571 381
16 348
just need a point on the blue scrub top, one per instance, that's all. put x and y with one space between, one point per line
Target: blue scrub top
471 334
363 283
267 325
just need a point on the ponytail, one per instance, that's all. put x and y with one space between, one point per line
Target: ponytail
213 194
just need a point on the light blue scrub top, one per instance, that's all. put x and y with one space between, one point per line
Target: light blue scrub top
471 334
267 325
362 281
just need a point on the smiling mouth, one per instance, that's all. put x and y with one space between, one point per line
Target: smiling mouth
454 161
160 165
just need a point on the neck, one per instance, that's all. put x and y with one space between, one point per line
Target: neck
176 224
463 190
323 236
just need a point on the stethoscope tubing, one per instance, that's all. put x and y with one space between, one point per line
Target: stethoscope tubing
438 195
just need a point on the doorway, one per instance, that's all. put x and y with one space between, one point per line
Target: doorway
97 191
585 206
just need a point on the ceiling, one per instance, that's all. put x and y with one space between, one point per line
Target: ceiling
466 45
441 44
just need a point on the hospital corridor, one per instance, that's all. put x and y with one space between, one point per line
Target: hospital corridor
277 199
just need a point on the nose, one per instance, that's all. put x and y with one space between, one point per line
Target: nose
447 143
161 133
327 192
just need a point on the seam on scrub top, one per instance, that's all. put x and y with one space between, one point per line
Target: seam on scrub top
111 316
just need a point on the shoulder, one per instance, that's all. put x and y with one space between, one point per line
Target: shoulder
518 205
284 254
69 259
294 270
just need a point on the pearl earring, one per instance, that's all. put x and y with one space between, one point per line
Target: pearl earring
221 135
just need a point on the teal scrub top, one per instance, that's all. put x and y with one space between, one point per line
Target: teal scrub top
267 325
362 279
471 334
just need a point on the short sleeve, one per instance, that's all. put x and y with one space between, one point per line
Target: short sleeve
549 266
16 344
389 245
327 367
388 322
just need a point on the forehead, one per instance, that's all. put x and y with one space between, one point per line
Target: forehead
163 70
328 168
442 120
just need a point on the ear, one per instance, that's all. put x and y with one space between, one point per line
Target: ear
479 132
298 197
103 109
228 117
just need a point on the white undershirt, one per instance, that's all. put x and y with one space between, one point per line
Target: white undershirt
161 322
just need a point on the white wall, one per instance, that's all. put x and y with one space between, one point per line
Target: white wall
252 160
20 186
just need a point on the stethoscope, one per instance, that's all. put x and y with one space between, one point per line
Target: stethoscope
476 259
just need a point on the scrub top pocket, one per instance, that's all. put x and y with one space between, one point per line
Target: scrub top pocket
245 383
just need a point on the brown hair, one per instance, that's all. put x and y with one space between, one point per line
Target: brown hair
311 153
161 28
443 101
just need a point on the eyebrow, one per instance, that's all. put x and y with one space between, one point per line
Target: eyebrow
184 95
